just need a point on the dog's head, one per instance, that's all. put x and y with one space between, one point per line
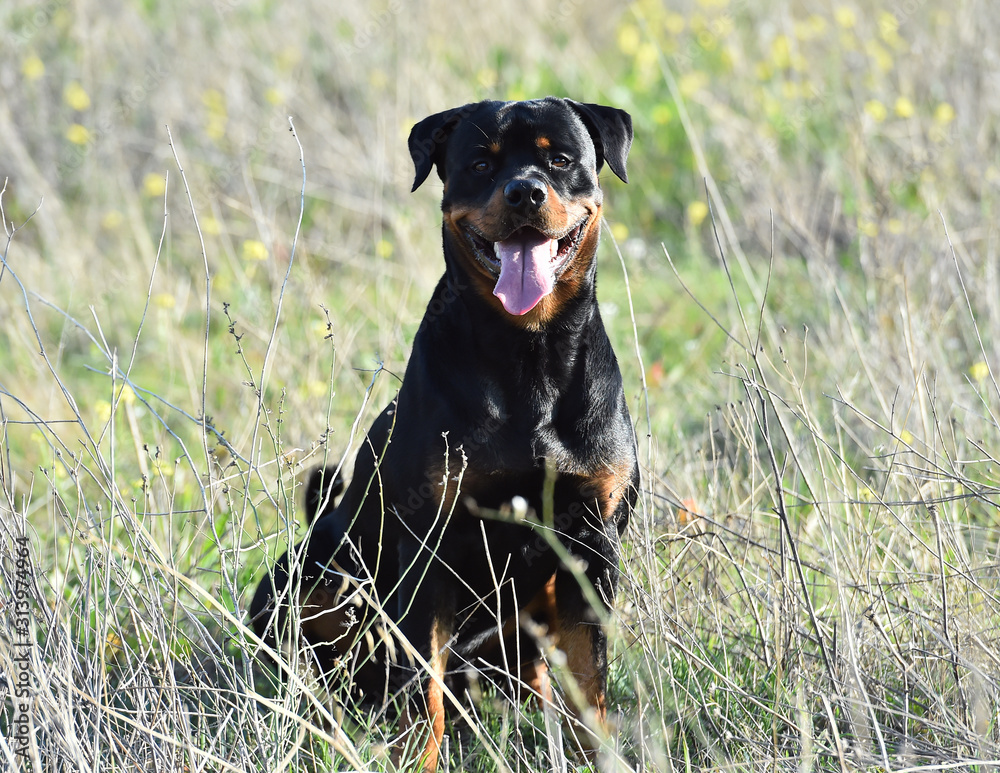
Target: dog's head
522 203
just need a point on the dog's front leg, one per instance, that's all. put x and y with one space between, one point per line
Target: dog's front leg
426 614
580 634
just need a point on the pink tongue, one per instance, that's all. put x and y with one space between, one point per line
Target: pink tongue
526 270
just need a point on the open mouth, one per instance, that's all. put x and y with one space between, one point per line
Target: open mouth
527 263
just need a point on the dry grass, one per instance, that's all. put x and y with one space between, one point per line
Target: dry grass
812 577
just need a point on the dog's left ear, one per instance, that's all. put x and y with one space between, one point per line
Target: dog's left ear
428 141
611 131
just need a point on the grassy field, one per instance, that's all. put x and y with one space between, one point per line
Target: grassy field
802 281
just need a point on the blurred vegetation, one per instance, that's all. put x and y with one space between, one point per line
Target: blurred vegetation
810 239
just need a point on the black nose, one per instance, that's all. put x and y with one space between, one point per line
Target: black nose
525 193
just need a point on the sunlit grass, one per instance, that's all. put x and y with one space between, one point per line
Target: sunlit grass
809 237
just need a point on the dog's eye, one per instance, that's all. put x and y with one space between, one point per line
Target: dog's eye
481 166
559 162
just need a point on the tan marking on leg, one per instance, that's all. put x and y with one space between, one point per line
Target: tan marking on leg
440 634
577 642
535 674
433 713
536 683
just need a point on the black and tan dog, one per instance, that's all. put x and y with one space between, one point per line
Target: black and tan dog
509 449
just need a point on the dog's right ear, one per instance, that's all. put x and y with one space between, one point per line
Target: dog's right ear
428 141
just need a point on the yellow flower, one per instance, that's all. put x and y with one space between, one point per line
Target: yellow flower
691 83
112 641
906 437
213 100
868 228
878 54
980 371
126 395
620 232
773 107
153 185
887 22
254 250
845 17
216 128
848 41
384 248
32 67
811 28
763 71
210 226
647 55
164 300
662 113
274 96
876 110
222 283
904 107
77 134
697 211
888 28
315 387
673 23
628 38
75 96
288 58
707 39
486 78
102 410
515 93
215 103
723 26
728 56
818 24
112 220
944 113
895 226
781 52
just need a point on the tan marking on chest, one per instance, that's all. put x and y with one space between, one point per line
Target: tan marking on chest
608 485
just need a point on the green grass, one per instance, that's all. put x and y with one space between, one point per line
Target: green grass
811 579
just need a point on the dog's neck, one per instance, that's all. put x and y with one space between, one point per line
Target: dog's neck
554 357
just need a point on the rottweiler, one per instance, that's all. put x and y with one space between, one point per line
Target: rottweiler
482 521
